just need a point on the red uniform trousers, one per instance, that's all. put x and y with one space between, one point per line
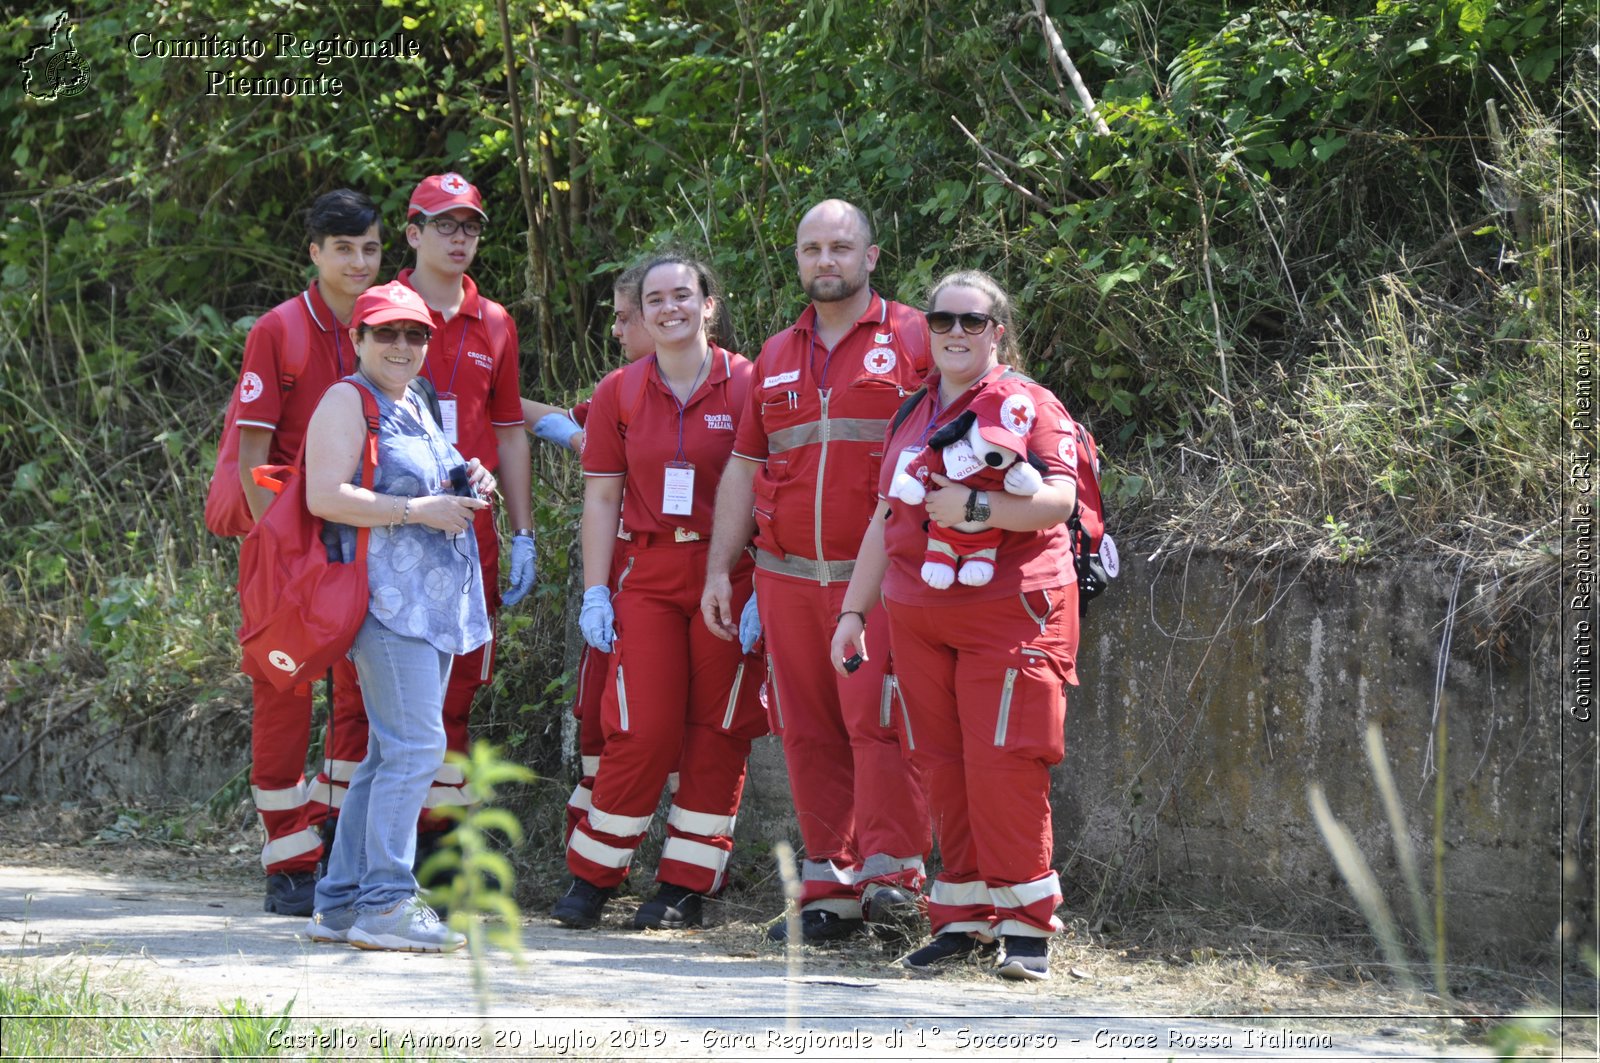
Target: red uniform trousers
280 736
468 672
673 699
857 797
594 669
985 689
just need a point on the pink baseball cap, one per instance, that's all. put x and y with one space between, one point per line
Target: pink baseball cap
1005 414
386 303
445 191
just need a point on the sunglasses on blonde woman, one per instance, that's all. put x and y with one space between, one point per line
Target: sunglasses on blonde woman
942 321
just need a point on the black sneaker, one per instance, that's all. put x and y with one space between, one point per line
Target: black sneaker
890 907
580 906
1024 958
672 908
292 893
327 830
946 950
428 843
817 925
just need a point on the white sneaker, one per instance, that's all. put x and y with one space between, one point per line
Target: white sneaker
410 926
332 925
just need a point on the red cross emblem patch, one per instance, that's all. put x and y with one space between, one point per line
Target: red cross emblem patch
454 184
879 360
1017 414
249 388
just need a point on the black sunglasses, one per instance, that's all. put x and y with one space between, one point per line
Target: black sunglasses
942 321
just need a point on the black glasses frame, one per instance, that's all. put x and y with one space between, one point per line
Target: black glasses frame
447 226
942 321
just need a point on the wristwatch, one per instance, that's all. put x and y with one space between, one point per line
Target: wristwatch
977 507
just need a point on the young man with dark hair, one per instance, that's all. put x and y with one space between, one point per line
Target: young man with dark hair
293 352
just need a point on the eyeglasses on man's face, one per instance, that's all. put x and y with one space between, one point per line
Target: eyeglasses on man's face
447 225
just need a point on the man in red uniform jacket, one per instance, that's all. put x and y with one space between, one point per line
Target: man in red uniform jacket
346 247
803 479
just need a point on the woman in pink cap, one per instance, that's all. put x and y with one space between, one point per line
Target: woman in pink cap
426 606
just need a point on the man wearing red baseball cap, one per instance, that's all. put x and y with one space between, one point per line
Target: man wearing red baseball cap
472 364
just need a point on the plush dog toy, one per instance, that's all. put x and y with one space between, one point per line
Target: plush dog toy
986 448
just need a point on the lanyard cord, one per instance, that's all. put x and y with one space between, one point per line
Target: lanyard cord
449 389
938 408
705 364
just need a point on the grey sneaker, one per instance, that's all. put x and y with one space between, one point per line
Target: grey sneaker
410 926
331 925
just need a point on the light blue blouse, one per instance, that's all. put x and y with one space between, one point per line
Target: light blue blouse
424 584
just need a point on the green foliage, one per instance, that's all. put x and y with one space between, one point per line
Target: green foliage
1306 252
479 880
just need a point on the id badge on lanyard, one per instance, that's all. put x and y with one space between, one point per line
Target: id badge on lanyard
677 492
907 456
447 414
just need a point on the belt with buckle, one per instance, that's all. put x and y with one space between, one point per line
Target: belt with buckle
806 567
677 535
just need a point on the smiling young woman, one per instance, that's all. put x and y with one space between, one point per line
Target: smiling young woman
657 438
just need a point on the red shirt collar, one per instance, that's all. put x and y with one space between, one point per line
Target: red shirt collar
931 382
469 293
877 313
321 312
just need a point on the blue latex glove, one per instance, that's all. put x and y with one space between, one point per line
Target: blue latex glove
556 428
749 625
597 619
522 555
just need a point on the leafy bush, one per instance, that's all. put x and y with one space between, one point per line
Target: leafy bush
1306 254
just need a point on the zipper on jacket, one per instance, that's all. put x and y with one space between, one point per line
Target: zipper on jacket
622 698
822 479
884 701
1004 719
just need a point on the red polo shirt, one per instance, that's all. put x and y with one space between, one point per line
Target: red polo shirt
641 450
262 401
1025 561
472 358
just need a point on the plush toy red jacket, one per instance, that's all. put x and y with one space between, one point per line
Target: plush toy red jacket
984 448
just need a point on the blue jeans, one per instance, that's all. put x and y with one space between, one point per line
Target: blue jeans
402 683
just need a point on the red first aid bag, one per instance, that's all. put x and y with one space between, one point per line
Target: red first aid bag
300 604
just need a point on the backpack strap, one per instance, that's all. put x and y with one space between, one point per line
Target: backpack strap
296 343
915 397
634 378
496 324
905 409
738 388
369 463
423 388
